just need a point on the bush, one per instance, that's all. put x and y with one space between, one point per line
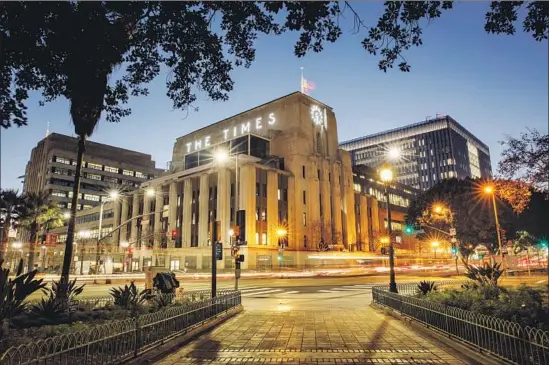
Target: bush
53 309
523 305
130 298
425 287
486 275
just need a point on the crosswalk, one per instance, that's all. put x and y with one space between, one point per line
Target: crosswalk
266 291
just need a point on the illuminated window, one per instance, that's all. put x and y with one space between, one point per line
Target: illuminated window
140 175
264 238
91 197
127 172
111 169
95 166
62 160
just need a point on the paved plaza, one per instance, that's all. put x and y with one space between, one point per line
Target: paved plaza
316 336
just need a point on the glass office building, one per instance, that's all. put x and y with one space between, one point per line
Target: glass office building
425 153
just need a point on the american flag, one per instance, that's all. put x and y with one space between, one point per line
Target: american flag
307 86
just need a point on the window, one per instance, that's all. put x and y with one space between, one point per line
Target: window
140 175
303 172
110 179
263 238
304 197
94 177
111 169
278 194
62 160
318 174
127 172
59 193
256 189
304 219
95 166
91 197
305 240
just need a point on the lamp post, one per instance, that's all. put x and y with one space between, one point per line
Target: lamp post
386 176
281 234
489 190
448 216
125 246
113 195
435 245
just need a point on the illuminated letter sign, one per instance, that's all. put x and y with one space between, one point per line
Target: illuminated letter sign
232 132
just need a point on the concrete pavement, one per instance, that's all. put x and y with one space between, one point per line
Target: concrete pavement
362 336
314 327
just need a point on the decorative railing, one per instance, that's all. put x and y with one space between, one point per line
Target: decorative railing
119 341
507 340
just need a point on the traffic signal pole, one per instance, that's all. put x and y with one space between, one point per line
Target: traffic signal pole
213 242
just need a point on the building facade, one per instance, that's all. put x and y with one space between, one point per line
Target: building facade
279 162
53 162
425 153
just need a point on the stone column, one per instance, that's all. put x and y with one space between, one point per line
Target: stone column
123 218
247 199
336 204
203 211
272 208
364 235
116 207
159 207
187 211
145 224
224 203
133 223
172 212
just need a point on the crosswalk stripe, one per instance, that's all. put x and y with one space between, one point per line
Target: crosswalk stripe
328 291
263 292
358 286
291 292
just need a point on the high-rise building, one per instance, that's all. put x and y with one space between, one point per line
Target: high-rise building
425 153
53 162
279 163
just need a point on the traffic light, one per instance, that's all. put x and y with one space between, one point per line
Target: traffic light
279 256
454 250
543 244
174 234
408 229
241 223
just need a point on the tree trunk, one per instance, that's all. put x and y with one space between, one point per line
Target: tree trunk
32 245
67 259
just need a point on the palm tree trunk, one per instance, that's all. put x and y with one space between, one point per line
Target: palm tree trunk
32 245
4 239
67 259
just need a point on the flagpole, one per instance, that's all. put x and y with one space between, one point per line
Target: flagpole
302 83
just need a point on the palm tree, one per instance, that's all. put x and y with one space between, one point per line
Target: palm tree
11 204
38 210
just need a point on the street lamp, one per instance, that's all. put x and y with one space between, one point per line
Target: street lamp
221 156
386 176
112 196
66 215
393 153
437 208
489 190
150 192
281 233
435 245
125 246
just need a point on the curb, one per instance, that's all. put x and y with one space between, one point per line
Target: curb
453 346
163 350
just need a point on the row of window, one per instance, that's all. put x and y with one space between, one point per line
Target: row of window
83 196
99 167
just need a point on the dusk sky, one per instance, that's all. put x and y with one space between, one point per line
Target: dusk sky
493 85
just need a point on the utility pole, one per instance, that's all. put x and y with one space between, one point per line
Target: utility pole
213 242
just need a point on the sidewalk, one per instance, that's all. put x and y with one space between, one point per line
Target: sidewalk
312 337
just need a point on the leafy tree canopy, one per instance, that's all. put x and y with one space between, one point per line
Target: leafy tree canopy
69 49
472 213
526 157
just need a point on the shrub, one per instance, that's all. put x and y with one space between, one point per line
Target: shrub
54 307
130 298
14 292
425 287
486 275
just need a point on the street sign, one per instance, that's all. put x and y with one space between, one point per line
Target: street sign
219 251
452 231
398 239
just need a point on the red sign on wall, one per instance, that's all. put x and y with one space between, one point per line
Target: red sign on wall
51 239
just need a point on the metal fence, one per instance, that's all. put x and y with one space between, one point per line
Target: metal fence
118 341
507 340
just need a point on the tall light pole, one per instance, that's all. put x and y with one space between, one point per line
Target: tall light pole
489 190
386 176
113 195
435 245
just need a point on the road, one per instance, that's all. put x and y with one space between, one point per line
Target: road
270 287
